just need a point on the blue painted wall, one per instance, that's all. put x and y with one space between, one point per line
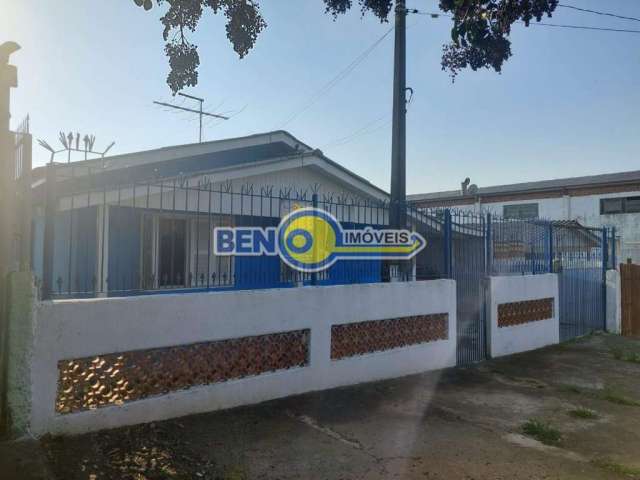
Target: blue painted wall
124 249
75 245
266 271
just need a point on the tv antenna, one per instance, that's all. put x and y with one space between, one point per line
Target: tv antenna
200 112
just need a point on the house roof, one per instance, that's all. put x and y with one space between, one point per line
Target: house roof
169 162
559 184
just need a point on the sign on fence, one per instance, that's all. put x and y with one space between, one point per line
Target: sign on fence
311 240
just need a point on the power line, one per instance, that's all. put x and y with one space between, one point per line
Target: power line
597 12
581 27
335 80
415 11
542 24
364 130
356 137
367 129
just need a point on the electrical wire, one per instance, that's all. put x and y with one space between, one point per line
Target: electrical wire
581 27
364 130
542 24
335 80
597 12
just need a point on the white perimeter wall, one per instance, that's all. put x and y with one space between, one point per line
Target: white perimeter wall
528 336
80 328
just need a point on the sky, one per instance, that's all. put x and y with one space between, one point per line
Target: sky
566 104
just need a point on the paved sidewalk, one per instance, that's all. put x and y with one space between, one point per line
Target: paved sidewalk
453 424
23 459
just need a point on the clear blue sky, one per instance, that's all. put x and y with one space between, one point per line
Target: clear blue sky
567 103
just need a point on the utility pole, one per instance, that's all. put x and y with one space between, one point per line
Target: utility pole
399 135
199 111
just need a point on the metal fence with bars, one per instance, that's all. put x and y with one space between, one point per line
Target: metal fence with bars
98 239
151 237
582 256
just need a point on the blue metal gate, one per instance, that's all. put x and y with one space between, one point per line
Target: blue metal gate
456 250
467 239
581 256
468 247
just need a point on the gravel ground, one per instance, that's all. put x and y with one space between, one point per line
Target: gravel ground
567 412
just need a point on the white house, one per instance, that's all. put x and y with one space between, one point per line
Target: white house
599 200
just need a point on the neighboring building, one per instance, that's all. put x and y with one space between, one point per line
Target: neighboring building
143 221
598 200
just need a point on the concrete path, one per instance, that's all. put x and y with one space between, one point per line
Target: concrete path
454 424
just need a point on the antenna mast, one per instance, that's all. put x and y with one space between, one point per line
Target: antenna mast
200 112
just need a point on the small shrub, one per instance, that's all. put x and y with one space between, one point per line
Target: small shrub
583 413
542 432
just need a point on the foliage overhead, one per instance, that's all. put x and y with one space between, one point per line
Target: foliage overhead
479 35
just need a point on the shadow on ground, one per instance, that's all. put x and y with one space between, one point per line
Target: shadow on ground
580 402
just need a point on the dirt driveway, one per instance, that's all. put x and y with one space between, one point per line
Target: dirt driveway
566 412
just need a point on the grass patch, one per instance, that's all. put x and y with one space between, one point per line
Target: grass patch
625 355
570 388
615 467
543 432
609 394
617 353
583 413
614 396
234 473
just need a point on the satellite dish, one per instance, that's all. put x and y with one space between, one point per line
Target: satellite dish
464 185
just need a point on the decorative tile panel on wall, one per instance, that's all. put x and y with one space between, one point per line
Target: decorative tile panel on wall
116 378
352 339
518 313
